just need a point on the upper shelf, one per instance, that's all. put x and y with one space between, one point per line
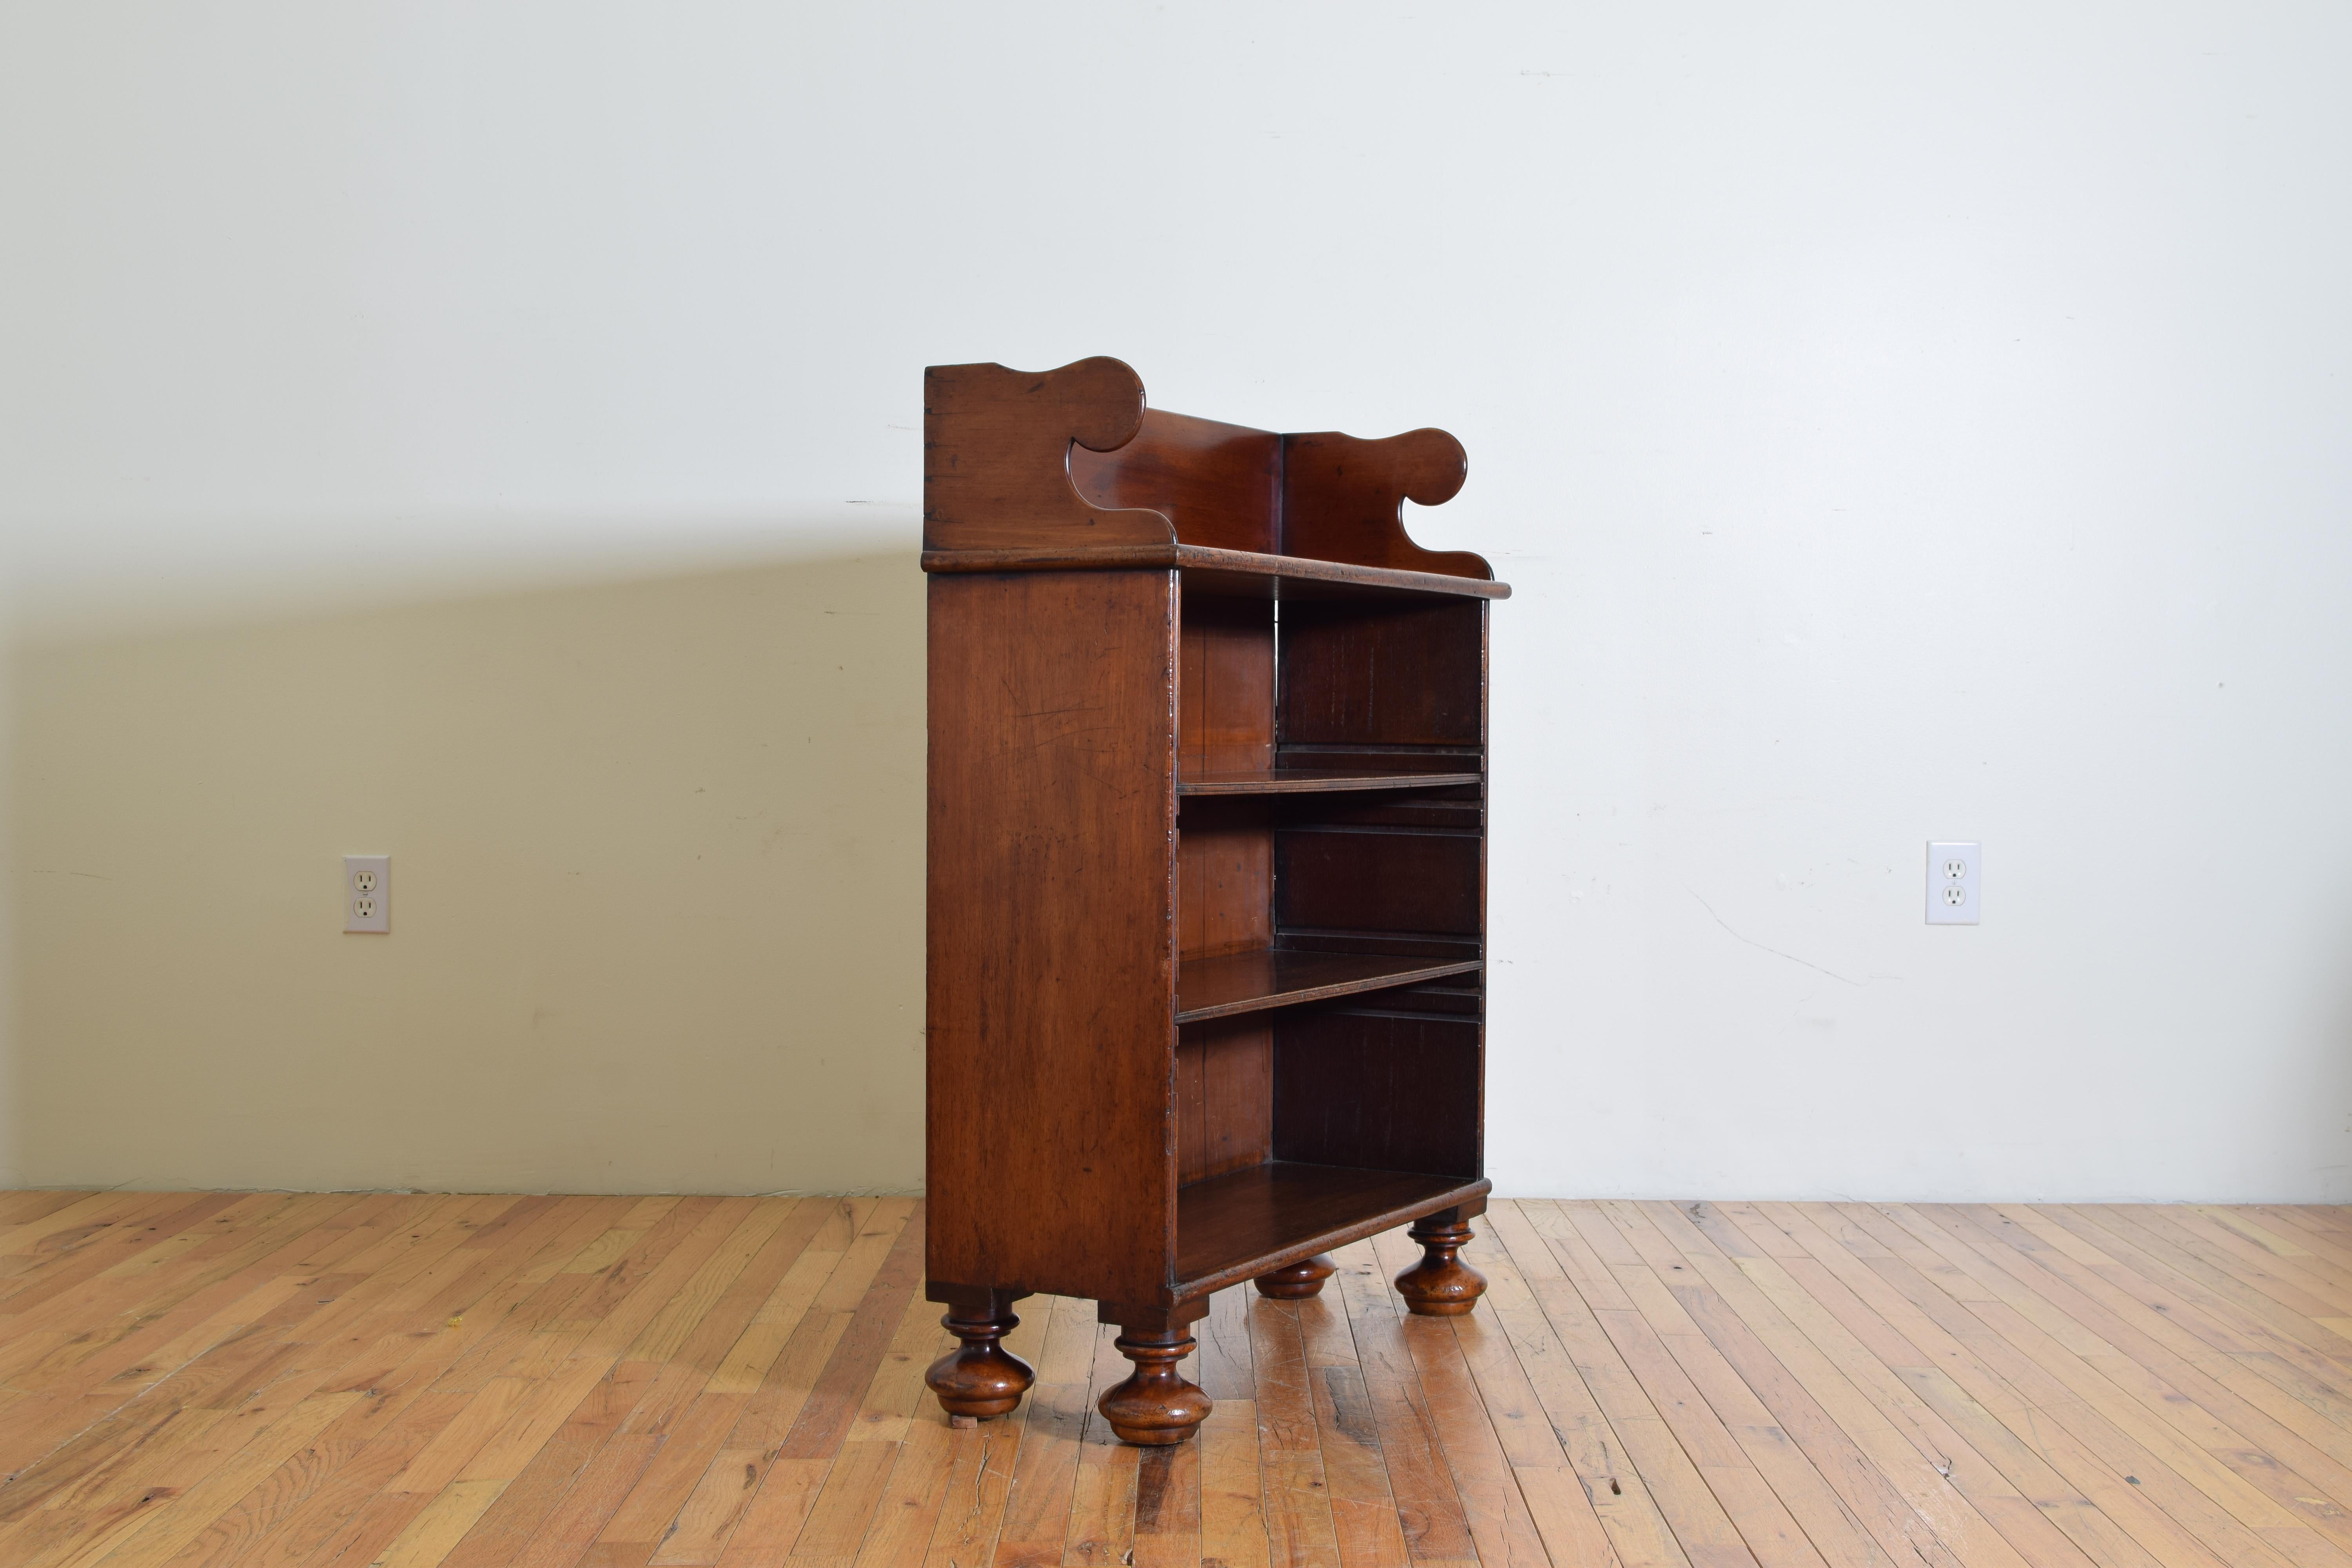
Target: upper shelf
1226 571
1313 780
1065 470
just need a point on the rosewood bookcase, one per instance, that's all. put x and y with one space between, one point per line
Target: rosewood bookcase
1207 868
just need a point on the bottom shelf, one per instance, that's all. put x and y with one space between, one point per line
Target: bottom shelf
1238 1225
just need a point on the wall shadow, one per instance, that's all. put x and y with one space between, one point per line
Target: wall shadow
657 883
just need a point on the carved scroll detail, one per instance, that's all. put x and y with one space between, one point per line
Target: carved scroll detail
996 456
1343 498
1028 460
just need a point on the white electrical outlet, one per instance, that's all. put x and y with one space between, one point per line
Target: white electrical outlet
1955 883
367 893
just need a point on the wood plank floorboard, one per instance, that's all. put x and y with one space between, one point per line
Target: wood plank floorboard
336 1381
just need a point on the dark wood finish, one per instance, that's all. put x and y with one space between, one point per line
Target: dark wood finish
1385 880
1224 846
1312 781
1224 878
1235 571
1172 1048
1156 1405
1389 1091
1224 687
1297 1281
1343 498
1294 751
1441 1285
1394 674
979 1378
1051 951
1220 485
1224 1097
1461 808
1235 1228
996 446
1276 977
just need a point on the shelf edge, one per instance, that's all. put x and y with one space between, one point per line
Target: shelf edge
1107 557
1324 1241
1334 785
1324 993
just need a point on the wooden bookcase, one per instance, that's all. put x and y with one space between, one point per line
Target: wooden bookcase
1207 868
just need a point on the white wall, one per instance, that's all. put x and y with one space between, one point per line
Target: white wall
1898 425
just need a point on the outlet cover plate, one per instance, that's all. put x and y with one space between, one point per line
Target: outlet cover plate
1955 883
367 894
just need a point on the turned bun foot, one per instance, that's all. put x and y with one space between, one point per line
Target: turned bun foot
979 1378
1155 1406
1441 1285
1299 1281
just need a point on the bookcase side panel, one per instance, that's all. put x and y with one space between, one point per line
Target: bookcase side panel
1224 720
1224 870
1225 689
1224 1118
1051 931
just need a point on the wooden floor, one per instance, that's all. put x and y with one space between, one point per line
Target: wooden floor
400 1381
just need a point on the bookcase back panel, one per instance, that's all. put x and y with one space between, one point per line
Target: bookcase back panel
1225 1096
1051 919
1466 758
1219 484
1385 673
1459 808
1377 879
1452 996
1378 1089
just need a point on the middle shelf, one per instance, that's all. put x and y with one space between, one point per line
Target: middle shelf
1277 977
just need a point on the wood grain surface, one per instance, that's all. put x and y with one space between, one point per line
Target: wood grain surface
1315 781
1051 937
1067 468
1343 498
1210 570
1249 981
379 1381
1113 591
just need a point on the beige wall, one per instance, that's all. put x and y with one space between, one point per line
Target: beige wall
11 1174
657 893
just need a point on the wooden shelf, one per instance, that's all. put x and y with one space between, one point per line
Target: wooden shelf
1118 593
1235 1227
1309 781
1277 977
1236 572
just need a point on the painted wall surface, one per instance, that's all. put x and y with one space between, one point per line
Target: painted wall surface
489 435
11 1165
657 893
